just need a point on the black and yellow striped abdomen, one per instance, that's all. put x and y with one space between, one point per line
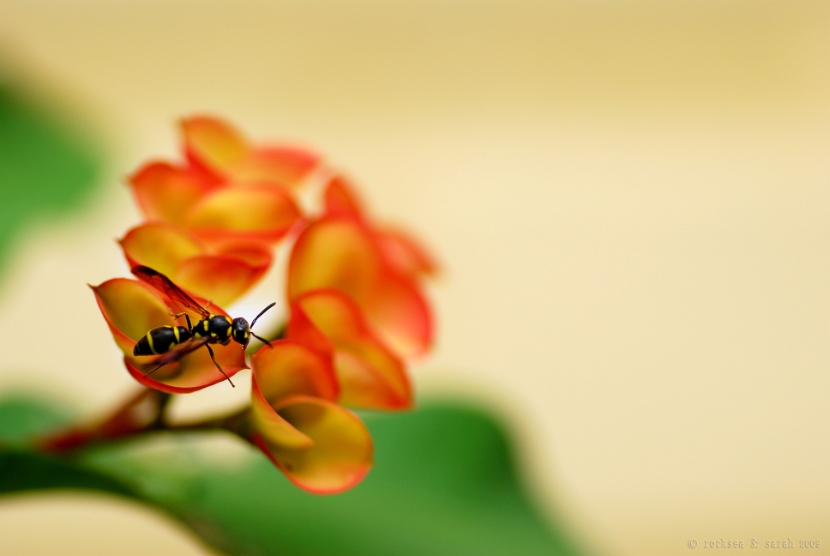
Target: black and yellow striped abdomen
161 340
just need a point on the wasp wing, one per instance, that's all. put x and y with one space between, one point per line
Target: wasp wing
165 285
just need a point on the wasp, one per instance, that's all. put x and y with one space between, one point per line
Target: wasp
171 343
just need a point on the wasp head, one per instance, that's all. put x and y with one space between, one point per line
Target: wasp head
241 331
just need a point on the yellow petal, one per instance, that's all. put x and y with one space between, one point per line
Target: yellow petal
286 166
131 309
293 368
219 278
342 453
334 253
212 144
161 246
275 430
249 211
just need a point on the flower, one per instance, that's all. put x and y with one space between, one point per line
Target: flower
222 272
214 211
379 270
370 375
319 445
220 153
131 309
226 187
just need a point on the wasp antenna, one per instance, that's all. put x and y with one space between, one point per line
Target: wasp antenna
253 322
263 340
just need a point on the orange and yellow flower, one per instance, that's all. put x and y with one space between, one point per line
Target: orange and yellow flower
226 188
319 445
357 309
379 270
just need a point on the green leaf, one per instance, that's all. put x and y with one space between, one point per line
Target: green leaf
46 167
444 482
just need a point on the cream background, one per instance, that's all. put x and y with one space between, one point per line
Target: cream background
630 198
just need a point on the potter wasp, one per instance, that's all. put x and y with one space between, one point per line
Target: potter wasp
171 343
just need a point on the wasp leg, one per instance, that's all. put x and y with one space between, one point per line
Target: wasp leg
217 365
187 317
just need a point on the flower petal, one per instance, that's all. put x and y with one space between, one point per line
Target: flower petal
404 254
284 166
293 368
401 315
334 252
160 246
249 211
131 309
219 278
342 453
275 430
340 198
183 258
370 375
166 192
211 144
192 372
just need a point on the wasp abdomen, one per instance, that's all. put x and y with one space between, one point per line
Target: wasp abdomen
161 340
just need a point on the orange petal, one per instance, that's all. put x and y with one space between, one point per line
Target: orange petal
342 453
166 192
211 144
193 372
340 198
404 254
286 166
370 375
334 252
219 278
250 211
400 314
254 253
160 246
131 309
293 368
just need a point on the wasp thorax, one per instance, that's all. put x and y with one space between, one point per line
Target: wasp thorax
241 331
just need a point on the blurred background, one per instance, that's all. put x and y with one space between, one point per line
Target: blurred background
630 199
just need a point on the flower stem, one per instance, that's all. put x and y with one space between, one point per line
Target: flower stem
139 413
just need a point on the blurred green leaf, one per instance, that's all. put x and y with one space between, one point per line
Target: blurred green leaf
45 167
444 483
